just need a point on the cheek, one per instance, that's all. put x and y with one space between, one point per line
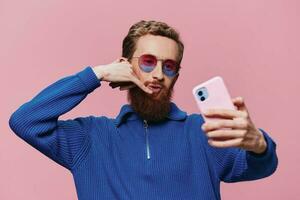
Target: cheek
171 84
140 75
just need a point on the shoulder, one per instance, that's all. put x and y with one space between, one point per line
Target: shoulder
104 123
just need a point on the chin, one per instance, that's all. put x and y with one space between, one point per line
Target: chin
155 96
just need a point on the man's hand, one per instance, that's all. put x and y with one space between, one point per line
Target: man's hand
243 133
119 73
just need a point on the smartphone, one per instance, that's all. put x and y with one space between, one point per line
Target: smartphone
212 94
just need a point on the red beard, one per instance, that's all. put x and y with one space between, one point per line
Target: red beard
150 108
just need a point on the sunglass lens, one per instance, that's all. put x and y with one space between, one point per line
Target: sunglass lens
170 67
147 62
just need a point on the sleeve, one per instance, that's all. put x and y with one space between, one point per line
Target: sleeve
36 121
236 164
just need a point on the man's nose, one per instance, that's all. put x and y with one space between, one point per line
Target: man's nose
157 71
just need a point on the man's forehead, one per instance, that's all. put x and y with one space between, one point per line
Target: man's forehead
162 47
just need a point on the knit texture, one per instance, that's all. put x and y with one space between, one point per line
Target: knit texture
127 158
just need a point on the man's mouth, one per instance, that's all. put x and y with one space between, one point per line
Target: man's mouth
155 88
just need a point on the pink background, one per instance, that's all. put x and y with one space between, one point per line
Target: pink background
253 44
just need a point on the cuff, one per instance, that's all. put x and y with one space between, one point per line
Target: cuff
89 78
271 146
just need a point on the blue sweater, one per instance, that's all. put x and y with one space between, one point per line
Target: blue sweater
128 158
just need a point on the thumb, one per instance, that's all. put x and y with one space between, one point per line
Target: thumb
239 102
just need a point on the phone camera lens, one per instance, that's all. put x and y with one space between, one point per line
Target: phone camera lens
202 98
200 93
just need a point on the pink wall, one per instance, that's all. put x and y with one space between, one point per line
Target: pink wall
254 45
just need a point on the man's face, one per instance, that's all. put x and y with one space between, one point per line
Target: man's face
162 48
155 106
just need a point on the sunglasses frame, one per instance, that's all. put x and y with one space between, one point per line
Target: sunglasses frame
163 61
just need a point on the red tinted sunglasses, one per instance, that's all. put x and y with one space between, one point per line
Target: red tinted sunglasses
148 62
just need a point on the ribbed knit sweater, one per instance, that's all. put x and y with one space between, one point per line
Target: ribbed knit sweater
128 158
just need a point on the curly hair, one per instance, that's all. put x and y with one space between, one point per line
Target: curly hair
152 27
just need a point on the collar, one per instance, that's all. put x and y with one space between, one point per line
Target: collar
127 113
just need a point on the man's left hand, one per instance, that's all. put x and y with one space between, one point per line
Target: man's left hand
243 133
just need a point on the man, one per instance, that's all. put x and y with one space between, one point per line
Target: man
152 149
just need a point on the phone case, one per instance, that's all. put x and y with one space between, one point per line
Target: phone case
212 94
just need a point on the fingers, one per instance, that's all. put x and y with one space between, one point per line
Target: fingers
131 80
231 129
237 116
113 85
238 123
223 138
127 87
122 85
224 113
226 134
236 142
119 84
140 84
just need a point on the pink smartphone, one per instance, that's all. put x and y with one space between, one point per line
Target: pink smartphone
212 94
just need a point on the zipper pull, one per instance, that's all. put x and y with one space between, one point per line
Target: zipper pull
145 123
147 139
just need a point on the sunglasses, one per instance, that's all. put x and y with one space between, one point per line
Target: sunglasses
148 62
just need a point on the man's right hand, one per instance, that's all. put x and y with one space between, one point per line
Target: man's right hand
119 73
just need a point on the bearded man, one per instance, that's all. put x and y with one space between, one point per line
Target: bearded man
152 149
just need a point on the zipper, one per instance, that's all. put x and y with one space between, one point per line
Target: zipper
147 139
